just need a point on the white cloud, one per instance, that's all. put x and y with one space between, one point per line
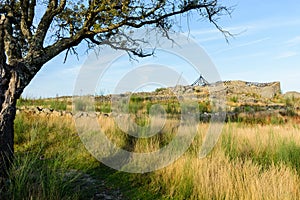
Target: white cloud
287 54
71 70
234 29
293 41
248 28
212 34
243 45
269 23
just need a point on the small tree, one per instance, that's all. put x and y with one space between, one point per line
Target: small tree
24 47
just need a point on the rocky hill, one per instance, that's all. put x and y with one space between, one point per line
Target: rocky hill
243 100
246 91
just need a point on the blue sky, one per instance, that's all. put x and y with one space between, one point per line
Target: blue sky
265 48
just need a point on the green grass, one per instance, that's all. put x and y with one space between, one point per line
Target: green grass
234 99
52 163
104 107
250 160
56 103
277 151
34 178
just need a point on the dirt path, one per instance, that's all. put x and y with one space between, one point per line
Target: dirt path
94 189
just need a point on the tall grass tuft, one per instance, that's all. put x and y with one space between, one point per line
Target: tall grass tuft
34 178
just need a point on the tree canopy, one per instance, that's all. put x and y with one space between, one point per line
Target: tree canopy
96 22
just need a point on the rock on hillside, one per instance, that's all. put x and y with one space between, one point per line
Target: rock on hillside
292 94
260 90
243 91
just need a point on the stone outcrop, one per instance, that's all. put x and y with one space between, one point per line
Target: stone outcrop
258 90
292 94
240 89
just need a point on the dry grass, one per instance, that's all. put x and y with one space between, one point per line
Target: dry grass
219 178
248 162
239 176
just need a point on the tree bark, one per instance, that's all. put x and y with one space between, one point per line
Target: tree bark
6 137
10 90
8 98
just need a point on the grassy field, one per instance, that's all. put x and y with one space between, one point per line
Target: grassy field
248 162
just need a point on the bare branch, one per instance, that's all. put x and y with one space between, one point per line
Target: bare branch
52 10
2 48
24 23
211 13
27 16
135 51
73 51
31 12
12 48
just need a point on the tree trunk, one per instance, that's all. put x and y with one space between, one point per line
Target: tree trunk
15 75
9 93
6 137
